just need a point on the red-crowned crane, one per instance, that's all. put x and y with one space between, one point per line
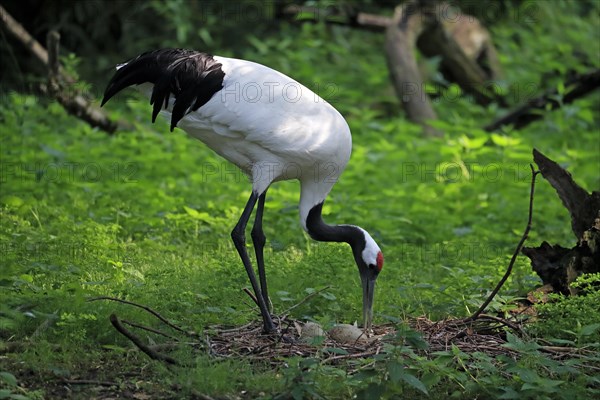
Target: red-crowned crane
272 128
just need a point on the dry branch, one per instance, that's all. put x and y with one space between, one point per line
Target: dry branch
149 329
524 237
146 308
251 295
576 87
305 299
337 15
460 66
487 334
114 320
89 382
60 85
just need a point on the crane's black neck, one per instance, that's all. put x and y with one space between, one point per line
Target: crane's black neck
323 232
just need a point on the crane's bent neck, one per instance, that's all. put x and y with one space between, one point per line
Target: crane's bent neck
312 197
319 230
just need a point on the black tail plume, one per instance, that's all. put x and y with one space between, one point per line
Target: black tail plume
192 77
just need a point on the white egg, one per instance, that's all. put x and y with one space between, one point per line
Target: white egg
348 334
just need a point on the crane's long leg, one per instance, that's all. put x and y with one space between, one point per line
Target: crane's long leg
259 240
238 234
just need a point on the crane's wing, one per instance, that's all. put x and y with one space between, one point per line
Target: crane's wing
192 77
234 99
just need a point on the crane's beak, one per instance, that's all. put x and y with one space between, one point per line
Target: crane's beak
368 279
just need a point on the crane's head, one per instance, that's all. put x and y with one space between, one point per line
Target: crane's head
369 259
367 254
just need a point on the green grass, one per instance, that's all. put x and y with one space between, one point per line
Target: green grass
146 216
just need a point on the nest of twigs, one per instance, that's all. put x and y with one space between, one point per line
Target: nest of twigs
486 334
247 341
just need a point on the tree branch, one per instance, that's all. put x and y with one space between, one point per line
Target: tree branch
146 308
114 320
525 114
333 15
74 103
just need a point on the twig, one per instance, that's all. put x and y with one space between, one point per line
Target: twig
147 328
348 356
88 382
578 86
473 317
502 321
170 346
237 329
114 320
52 43
148 309
249 293
305 299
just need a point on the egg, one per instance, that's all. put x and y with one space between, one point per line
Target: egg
311 330
348 334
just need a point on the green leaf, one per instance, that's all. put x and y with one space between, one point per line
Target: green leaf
12 201
414 382
259 44
472 143
430 379
504 141
18 397
510 394
26 278
201 216
5 394
515 343
372 392
395 370
327 295
586 114
8 378
589 329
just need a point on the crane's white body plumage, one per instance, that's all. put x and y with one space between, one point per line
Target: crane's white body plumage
273 128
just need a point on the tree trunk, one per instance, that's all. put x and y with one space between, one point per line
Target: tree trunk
400 46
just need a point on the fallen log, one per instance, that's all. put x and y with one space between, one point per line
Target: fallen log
468 56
